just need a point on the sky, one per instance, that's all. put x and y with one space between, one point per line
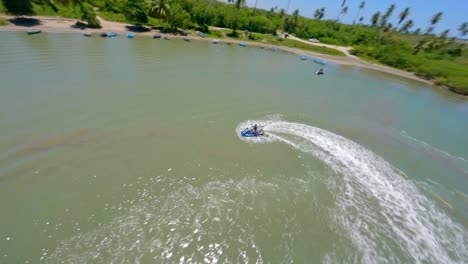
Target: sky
421 11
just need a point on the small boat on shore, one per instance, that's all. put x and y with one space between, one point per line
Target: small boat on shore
186 39
87 34
167 38
103 34
304 57
130 35
112 34
157 36
215 41
242 44
34 31
201 34
320 61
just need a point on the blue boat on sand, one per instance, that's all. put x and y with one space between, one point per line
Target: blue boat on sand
304 57
157 36
320 61
130 35
103 34
112 34
242 44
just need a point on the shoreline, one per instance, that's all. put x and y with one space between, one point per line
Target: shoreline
67 25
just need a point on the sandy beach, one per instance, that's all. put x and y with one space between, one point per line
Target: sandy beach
66 25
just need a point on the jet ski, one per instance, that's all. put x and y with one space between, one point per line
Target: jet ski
252 133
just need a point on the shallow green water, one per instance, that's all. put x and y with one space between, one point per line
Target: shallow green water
119 151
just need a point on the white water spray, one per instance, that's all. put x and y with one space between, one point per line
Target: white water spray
382 212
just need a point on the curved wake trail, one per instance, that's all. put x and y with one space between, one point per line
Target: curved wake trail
385 215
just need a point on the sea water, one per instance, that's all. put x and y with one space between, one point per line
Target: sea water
128 150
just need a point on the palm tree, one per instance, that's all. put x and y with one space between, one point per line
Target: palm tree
463 29
388 13
319 13
160 9
251 18
361 6
282 13
436 18
406 26
343 12
375 18
403 15
238 4
206 13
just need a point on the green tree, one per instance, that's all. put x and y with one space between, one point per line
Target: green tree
135 12
403 15
436 18
408 24
282 13
343 12
18 7
463 29
384 18
179 17
88 15
238 5
160 9
361 7
375 18
319 13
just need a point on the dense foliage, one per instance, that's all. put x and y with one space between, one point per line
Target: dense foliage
430 56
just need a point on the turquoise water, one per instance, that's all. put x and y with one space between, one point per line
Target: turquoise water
118 151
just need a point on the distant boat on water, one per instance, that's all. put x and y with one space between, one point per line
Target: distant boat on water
103 34
167 38
304 57
87 34
157 36
186 39
34 31
215 41
320 61
112 34
130 35
242 44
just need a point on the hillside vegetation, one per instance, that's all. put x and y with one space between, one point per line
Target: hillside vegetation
432 56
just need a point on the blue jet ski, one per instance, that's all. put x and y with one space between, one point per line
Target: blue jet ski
251 133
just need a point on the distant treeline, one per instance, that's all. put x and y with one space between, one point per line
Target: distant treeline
432 56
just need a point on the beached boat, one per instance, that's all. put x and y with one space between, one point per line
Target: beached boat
262 46
103 34
130 35
215 41
157 36
87 34
304 57
34 31
320 61
242 44
186 39
112 34
201 34
167 38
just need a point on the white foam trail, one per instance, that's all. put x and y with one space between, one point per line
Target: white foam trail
431 148
385 215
